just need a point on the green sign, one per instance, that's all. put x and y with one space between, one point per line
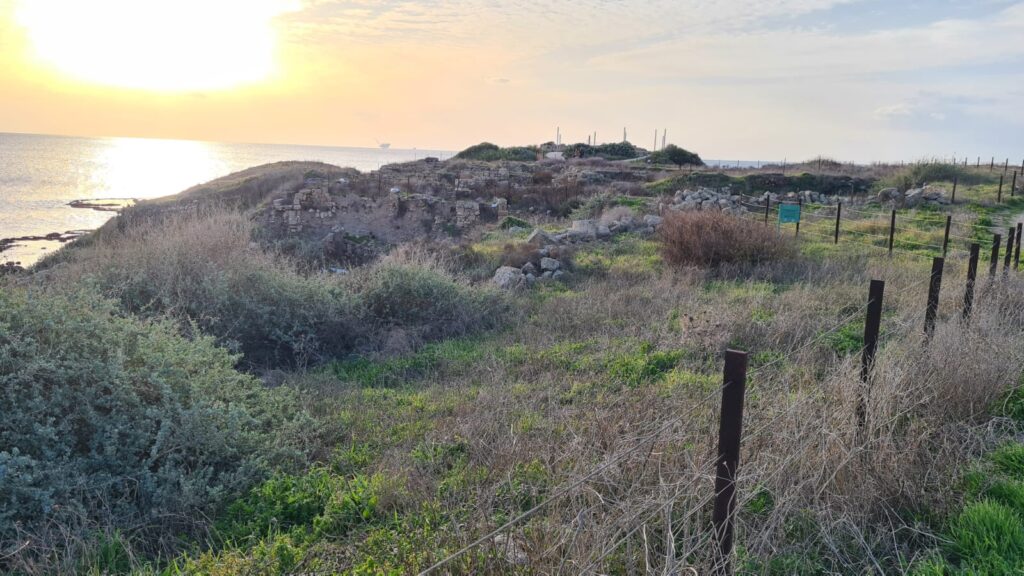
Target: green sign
789 213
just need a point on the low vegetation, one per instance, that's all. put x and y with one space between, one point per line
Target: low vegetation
673 154
179 399
712 238
204 270
488 152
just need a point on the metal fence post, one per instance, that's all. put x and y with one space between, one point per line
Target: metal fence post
892 230
945 237
994 263
730 429
800 202
1016 250
972 276
1011 236
934 286
839 214
872 324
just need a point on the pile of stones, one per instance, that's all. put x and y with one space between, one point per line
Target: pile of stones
931 195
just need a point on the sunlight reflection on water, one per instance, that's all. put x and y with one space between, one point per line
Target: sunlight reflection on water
40 175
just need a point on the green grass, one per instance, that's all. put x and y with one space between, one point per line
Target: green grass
450 356
624 254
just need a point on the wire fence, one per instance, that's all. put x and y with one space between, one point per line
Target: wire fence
633 520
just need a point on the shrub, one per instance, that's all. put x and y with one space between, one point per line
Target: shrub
927 173
401 295
119 423
673 154
488 152
711 238
313 505
204 271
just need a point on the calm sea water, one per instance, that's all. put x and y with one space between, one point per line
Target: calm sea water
40 175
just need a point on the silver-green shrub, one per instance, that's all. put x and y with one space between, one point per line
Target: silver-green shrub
110 422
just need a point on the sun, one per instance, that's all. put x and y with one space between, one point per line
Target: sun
156 45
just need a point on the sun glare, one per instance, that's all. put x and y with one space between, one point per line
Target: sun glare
158 45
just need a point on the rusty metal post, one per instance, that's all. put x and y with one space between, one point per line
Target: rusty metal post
800 202
872 324
1016 250
945 237
1010 237
972 277
994 262
892 230
934 286
730 429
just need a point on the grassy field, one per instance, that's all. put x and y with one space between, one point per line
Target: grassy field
588 405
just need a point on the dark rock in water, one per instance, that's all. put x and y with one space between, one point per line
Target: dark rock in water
11 268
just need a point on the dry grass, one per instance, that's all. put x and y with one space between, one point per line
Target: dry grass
712 238
547 406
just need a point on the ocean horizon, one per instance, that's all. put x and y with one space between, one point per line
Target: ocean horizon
41 174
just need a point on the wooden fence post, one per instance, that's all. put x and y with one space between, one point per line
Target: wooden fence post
932 308
945 237
953 198
872 324
892 230
1013 184
767 207
839 214
992 164
730 429
972 276
994 263
999 196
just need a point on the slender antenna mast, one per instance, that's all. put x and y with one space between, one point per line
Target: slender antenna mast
663 134
655 149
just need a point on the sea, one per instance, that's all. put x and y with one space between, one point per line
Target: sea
41 175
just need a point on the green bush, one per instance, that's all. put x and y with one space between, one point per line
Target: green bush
609 151
317 504
425 299
488 152
673 154
112 422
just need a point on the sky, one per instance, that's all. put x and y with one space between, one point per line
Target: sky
863 80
